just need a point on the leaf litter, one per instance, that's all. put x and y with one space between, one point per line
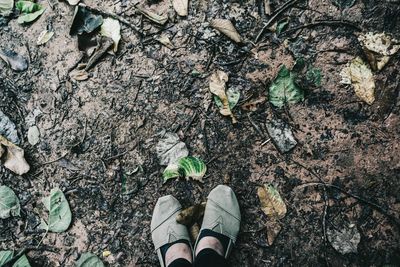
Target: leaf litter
6 256
12 157
226 27
344 240
60 215
188 167
14 60
9 203
170 149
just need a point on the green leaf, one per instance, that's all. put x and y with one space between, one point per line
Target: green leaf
314 76
188 167
284 89
9 203
6 256
281 26
22 262
6 7
89 260
29 11
233 98
59 212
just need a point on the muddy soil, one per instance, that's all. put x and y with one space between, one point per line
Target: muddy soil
98 133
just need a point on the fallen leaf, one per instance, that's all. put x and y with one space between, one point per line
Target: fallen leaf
112 29
284 89
267 7
84 21
281 135
8 129
181 7
152 16
9 203
314 76
104 43
79 75
360 76
6 7
191 215
218 82
73 2
378 47
60 215
271 201
344 240
22 262
29 11
194 231
106 253
44 37
226 27
273 229
14 60
233 95
6 256
188 167
163 39
33 135
170 149
253 104
14 159
281 26
89 260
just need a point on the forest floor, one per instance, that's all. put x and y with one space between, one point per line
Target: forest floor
100 135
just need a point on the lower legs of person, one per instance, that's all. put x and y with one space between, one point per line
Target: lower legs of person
210 253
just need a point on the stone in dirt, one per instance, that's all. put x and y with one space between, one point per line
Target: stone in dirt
281 135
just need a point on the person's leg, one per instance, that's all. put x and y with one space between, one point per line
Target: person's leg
171 239
219 229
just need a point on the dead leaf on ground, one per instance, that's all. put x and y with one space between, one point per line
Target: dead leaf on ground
14 159
273 228
281 135
14 60
164 40
112 29
218 82
44 37
152 16
267 7
170 149
194 231
271 201
254 104
344 240
103 44
360 76
226 27
192 214
181 7
8 129
378 47
79 75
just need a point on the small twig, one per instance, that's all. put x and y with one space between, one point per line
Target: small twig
57 159
255 126
273 18
190 123
325 23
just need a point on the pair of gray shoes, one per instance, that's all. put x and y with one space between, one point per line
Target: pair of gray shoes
222 215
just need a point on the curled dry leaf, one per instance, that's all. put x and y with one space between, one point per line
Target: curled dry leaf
344 240
79 75
14 60
191 215
378 48
152 16
112 29
218 82
14 159
273 229
181 7
226 27
194 231
271 201
360 76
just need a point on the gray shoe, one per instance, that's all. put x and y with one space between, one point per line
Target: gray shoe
164 228
222 215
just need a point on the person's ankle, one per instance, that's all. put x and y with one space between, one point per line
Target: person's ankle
210 242
178 251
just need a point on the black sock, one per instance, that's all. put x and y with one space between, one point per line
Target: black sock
222 238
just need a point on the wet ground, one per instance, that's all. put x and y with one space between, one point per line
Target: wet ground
97 133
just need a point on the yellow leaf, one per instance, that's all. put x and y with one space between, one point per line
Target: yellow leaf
106 253
218 87
226 27
14 159
362 80
271 201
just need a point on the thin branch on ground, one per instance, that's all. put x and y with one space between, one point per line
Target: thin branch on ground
330 23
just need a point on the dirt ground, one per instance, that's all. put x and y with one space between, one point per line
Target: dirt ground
96 133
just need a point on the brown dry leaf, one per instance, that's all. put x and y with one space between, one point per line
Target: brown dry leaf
267 7
272 203
362 79
218 82
152 16
272 231
181 7
190 215
253 105
14 159
164 40
79 75
226 27
194 231
378 48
